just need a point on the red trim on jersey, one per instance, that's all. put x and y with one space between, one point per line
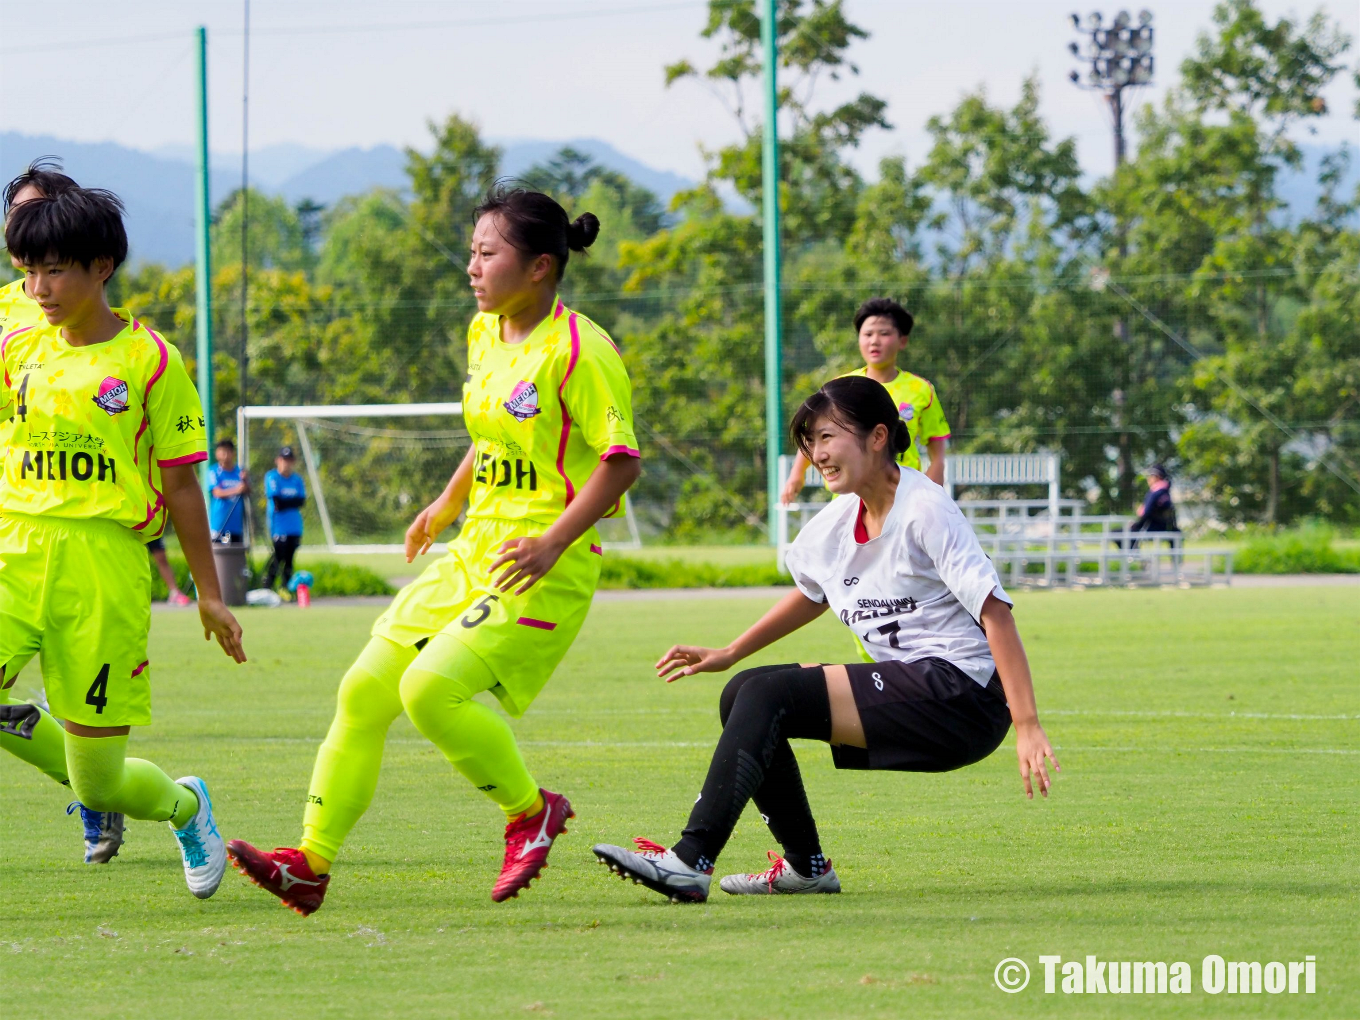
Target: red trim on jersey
528 621
566 416
151 510
557 312
138 670
861 532
596 550
8 337
947 435
620 449
603 335
188 458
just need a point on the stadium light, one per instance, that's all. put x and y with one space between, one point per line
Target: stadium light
1118 56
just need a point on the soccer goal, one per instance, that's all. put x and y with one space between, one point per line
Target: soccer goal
369 468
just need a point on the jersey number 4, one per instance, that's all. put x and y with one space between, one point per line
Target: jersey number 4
22 409
98 694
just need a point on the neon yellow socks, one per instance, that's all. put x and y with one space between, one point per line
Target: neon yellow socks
347 764
435 688
105 779
46 749
437 691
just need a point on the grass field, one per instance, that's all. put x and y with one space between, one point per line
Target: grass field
1207 804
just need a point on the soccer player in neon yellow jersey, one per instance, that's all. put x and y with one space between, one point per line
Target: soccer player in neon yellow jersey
105 430
883 326
43 178
549 408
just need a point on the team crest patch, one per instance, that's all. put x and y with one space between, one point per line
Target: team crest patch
907 411
523 402
112 396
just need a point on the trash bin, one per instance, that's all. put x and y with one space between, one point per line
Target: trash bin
233 572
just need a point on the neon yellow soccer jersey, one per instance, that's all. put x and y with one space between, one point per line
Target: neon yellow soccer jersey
919 405
542 414
17 308
92 427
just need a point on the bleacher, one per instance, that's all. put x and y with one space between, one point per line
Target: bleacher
1048 542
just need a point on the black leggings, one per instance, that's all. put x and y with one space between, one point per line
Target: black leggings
760 710
281 562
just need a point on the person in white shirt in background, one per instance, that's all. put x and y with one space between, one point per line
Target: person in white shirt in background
898 563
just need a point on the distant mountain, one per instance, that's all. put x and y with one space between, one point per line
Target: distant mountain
158 187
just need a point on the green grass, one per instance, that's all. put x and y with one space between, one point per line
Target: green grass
393 566
1207 805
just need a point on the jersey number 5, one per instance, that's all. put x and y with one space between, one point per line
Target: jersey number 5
98 694
479 612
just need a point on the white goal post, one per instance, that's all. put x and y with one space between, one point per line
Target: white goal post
316 416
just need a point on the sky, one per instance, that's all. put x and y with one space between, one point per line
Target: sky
341 73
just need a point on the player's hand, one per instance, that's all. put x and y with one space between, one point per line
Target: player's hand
792 489
425 529
686 660
218 622
528 558
1032 747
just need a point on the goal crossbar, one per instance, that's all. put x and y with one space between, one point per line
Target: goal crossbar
302 413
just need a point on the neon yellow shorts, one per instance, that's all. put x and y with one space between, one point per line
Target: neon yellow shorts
78 593
521 638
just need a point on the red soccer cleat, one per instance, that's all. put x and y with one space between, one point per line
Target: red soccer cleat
527 843
283 872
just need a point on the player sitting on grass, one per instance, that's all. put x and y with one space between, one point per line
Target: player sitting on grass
549 409
900 566
105 430
883 326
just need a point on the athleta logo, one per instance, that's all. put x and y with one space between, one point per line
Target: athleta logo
113 396
523 402
907 412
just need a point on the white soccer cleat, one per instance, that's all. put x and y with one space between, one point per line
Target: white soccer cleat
656 867
204 852
780 878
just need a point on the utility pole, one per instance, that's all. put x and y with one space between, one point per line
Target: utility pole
774 413
245 209
203 254
1120 57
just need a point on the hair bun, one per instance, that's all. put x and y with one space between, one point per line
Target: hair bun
582 232
901 438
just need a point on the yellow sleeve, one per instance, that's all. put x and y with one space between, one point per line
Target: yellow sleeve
173 411
599 396
933 425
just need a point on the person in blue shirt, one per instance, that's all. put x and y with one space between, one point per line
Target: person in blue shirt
285 494
1158 513
229 486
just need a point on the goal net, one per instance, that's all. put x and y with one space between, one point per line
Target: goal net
369 468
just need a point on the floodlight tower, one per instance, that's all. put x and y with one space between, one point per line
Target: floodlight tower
1120 57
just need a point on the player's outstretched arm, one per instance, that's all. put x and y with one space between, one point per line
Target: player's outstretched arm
442 512
1031 743
184 500
794 610
530 558
793 484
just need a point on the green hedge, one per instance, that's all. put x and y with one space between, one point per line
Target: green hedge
330 578
1307 551
621 572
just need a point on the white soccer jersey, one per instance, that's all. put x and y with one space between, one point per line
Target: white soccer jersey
916 591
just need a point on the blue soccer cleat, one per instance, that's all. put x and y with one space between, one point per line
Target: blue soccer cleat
103 832
200 844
